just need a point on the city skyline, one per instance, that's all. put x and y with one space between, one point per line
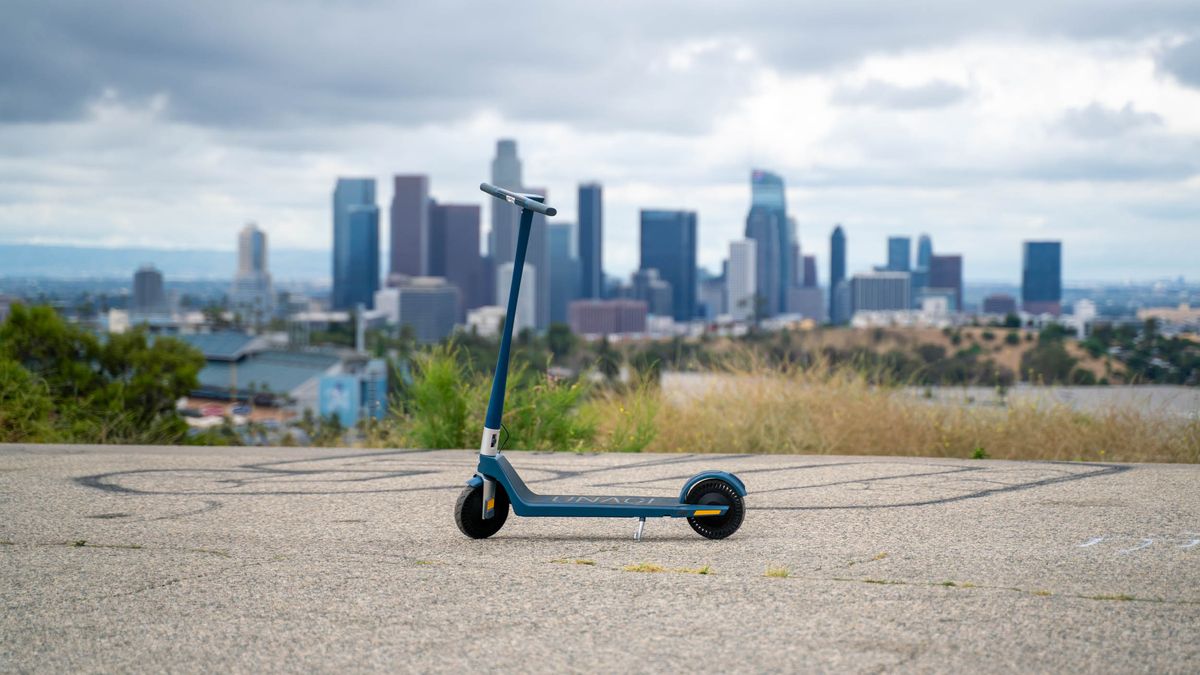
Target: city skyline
1076 124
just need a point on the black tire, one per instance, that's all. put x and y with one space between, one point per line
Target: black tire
468 512
718 493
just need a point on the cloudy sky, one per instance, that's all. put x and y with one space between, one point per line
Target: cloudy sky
983 124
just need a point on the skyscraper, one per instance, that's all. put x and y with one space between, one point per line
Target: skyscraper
741 278
945 274
899 254
1041 277
668 244
767 225
810 271
252 283
924 251
526 298
838 313
506 173
652 290
564 271
148 294
355 250
410 226
920 278
591 241
454 251
537 255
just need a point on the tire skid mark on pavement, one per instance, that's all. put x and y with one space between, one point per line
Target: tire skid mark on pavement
342 473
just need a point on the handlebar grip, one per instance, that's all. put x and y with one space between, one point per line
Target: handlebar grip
531 202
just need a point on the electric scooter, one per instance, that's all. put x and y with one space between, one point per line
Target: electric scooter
712 501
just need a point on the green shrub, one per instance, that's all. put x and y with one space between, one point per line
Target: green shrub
543 413
440 402
25 406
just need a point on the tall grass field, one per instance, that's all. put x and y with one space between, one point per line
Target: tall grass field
815 409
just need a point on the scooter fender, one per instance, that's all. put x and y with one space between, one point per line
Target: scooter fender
734 482
475 481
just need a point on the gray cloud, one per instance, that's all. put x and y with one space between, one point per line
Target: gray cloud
227 63
1183 61
879 94
1096 121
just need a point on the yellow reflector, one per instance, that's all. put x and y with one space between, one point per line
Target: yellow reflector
708 512
491 504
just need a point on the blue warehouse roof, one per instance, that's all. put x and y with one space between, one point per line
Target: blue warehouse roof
279 372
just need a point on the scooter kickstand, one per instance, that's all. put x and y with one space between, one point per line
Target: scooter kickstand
637 534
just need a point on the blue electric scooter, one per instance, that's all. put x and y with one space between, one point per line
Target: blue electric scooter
712 501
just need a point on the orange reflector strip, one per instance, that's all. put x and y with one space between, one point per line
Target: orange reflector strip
708 512
491 504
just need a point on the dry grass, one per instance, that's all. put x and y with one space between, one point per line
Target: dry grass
821 410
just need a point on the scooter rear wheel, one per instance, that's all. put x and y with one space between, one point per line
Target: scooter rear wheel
717 493
468 512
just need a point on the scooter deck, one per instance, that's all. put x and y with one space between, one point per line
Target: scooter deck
526 502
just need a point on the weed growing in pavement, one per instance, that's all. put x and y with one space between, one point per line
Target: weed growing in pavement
777 572
645 567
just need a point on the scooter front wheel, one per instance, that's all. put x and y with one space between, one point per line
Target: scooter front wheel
716 493
468 512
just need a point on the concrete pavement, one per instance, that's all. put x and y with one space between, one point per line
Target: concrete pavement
277 559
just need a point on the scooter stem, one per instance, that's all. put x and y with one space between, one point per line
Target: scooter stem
495 408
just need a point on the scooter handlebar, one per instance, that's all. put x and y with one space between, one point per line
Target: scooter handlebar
531 202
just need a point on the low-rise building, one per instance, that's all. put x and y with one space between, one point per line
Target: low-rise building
607 317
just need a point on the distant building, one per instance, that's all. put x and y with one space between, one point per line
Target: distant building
148 294
357 392
924 260
711 297
810 271
767 225
899 254
945 272
429 306
485 321
564 270
454 251
1041 278
741 280
808 302
668 244
538 256
591 241
843 304
607 317
526 298
1000 303
410 216
355 243
876 291
506 173
252 283
648 286
839 313
930 297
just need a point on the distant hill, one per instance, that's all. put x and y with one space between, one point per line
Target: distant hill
80 262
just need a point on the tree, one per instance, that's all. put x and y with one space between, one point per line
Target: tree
60 355
1048 363
25 406
560 340
121 390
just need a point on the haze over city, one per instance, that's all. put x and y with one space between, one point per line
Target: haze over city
144 124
